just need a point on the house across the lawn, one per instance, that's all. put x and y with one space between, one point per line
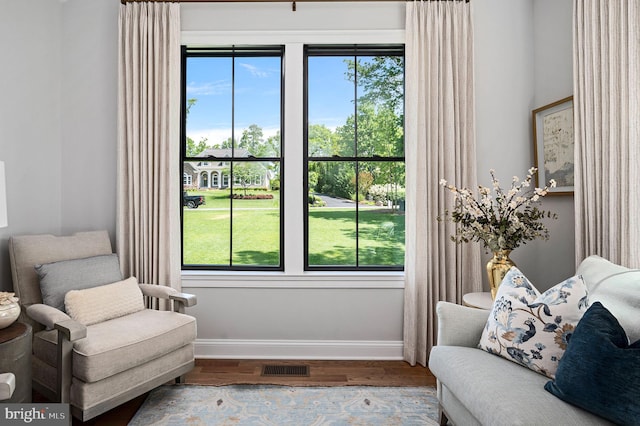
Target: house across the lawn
213 171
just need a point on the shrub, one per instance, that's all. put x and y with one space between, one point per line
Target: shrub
315 201
384 193
252 197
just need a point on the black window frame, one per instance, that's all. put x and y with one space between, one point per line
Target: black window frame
354 50
233 52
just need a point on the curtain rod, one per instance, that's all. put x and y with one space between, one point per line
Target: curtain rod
270 1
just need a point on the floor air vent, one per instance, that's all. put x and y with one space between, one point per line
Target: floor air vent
285 370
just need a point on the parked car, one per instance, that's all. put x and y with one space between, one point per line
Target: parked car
192 201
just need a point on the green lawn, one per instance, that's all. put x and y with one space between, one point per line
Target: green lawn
257 234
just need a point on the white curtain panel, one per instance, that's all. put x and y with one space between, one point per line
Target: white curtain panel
440 143
606 67
148 222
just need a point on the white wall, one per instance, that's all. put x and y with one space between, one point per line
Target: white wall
524 61
89 114
504 61
57 138
30 126
58 82
553 72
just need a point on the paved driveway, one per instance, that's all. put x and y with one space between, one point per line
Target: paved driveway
342 202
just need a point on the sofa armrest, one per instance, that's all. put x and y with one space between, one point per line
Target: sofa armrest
46 315
460 325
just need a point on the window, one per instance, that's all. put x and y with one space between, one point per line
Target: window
354 157
346 185
231 132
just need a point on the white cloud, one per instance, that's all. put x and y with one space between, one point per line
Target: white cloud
210 88
255 71
217 136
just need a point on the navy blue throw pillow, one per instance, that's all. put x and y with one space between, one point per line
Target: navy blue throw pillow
600 370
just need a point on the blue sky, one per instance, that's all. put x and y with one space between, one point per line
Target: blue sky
257 90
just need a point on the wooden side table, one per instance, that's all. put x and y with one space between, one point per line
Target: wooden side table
480 300
15 357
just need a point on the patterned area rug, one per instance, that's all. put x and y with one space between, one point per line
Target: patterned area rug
284 405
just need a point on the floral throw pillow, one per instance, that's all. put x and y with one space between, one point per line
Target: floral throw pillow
530 328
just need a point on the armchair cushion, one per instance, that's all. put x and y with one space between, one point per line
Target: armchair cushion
105 302
58 278
122 343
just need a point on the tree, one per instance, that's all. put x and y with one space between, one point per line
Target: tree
193 149
323 142
382 80
272 145
246 172
252 140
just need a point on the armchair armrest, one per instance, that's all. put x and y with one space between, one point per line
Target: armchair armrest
183 300
180 300
158 291
46 315
460 325
7 385
68 332
71 330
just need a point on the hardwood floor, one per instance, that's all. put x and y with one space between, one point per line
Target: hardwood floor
321 373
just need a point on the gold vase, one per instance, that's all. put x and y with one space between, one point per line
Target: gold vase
497 268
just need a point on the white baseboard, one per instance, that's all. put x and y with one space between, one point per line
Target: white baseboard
298 349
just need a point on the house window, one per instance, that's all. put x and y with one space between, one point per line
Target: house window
232 101
354 157
186 179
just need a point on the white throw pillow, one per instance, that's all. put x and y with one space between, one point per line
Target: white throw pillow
617 288
530 328
98 304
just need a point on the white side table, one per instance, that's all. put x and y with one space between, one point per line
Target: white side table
480 300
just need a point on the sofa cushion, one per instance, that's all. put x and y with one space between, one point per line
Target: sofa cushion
105 302
501 393
119 344
600 371
530 328
58 278
617 287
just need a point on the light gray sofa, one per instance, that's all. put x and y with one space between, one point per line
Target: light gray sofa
478 388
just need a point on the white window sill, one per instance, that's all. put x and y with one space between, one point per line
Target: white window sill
307 280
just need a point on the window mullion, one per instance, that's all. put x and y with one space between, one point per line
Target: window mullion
294 153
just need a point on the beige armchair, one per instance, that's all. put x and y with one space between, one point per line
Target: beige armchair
117 347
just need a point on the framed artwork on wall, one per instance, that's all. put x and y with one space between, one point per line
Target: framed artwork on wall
553 145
